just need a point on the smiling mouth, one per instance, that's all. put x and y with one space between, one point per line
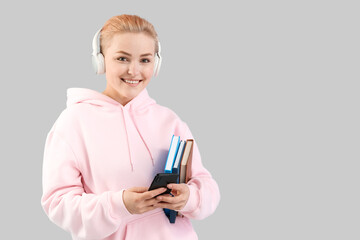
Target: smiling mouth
132 82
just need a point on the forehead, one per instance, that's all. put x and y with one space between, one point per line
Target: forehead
133 42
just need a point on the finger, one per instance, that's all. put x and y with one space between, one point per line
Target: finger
154 193
177 187
138 189
151 202
168 199
148 208
176 207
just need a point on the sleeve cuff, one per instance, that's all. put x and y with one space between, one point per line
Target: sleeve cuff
117 206
193 201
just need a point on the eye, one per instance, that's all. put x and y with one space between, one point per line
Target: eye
122 59
145 60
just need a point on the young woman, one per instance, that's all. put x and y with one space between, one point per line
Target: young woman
105 148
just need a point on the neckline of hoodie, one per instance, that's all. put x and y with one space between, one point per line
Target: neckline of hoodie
131 104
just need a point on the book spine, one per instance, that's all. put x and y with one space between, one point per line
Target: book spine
175 141
189 164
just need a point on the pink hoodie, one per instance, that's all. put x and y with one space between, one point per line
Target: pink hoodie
97 148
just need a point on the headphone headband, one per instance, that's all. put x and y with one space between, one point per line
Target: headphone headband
96 48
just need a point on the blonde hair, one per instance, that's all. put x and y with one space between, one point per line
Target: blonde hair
125 24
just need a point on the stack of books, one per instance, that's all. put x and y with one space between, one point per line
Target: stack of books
179 162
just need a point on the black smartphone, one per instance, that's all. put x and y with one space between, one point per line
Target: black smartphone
162 180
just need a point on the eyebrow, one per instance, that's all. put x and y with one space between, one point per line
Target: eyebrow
128 54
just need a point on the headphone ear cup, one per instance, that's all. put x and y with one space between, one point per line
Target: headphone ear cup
98 63
101 63
94 63
157 65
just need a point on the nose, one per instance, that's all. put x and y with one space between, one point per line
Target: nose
134 68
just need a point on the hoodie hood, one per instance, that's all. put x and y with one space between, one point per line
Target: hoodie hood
141 102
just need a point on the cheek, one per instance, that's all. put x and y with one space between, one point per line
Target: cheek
148 72
115 69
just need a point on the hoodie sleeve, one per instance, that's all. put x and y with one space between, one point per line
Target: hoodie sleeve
87 216
204 191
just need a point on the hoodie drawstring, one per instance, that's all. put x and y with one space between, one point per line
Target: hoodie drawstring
142 138
137 129
127 139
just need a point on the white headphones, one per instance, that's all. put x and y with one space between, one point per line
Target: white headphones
98 59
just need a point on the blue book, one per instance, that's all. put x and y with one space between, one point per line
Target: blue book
171 214
172 165
173 149
177 163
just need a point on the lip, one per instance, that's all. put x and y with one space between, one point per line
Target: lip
131 84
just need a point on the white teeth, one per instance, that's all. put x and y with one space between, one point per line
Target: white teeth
132 82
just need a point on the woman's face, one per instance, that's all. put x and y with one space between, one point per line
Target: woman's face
129 65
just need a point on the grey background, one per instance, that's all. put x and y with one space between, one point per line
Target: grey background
270 90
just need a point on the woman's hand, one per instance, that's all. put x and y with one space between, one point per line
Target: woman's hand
181 194
139 200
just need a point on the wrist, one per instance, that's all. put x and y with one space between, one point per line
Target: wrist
118 208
